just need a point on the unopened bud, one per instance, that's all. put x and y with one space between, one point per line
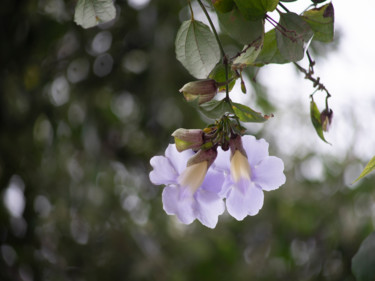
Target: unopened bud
188 139
326 119
203 90
223 6
243 87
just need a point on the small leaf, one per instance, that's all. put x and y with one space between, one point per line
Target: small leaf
363 262
246 114
218 74
297 36
214 109
368 169
196 48
240 29
270 52
321 21
256 9
89 13
316 121
248 54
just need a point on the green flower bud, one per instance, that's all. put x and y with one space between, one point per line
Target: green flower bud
203 90
223 6
188 139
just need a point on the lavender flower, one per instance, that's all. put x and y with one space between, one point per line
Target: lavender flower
249 171
191 191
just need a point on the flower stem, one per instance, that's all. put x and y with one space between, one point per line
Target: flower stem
191 10
213 27
223 55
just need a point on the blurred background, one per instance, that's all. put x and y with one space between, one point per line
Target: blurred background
83 111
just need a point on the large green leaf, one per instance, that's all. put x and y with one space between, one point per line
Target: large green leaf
89 13
270 52
246 114
196 48
295 38
215 109
316 121
248 54
368 169
240 29
321 21
363 262
256 9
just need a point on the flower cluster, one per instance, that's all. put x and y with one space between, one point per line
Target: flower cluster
197 183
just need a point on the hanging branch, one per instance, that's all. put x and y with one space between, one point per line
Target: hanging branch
309 76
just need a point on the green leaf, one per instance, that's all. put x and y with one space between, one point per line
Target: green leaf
240 29
316 121
248 54
89 13
321 20
270 52
368 169
297 36
214 109
218 74
196 48
246 114
363 262
256 9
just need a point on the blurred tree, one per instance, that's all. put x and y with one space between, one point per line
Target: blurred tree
82 112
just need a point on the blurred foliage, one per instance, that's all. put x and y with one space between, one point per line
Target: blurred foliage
82 112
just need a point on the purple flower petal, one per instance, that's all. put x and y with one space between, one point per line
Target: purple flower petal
178 159
268 174
163 172
213 181
176 203
256 150
208 207
222 161
242 202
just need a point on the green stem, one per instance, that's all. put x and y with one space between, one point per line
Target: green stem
191 10
212 27
223 55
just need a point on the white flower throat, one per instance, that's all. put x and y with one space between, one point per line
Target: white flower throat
192 177
240 167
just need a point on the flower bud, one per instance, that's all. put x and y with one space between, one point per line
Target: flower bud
223 6
203 90
326 119
188 139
